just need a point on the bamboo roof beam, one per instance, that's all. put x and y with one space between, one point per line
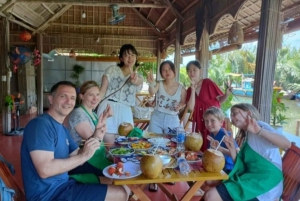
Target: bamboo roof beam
46 24
173 9
101 4
48 9
98 26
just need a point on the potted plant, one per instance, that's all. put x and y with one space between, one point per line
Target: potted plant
9 102
77 71
277 110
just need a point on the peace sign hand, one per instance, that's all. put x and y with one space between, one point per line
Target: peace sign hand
251 123
150 77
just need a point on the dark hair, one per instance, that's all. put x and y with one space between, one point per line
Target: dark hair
66 83
195 63
125 49
167 62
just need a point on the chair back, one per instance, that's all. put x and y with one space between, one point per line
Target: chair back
291 174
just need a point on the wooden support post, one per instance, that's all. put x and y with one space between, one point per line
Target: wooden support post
204 52
6 112
40 77
177 48
266 57
298 127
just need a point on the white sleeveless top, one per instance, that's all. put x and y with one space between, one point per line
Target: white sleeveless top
166 103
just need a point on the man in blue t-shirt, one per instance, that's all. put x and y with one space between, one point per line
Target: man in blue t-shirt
48 152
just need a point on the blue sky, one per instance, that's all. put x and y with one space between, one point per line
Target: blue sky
291 40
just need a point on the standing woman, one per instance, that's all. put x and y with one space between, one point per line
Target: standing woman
170 98
203 94
118 89
83 123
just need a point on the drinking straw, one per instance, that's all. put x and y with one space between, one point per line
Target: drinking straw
157 145
220 142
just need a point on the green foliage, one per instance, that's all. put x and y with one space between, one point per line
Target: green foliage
227 104
8 102
77 71
277 109
145 68
183 77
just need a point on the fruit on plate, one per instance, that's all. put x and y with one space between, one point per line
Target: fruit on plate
151 166
193 141
118 170
213 160
111 170
125 128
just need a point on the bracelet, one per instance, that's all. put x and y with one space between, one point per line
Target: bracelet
152 84
259 132
95 138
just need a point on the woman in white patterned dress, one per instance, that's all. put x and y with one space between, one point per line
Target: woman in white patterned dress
122 77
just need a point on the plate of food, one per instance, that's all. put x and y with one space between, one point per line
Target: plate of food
174 139
126 140
122 170
160 150
159 141
121 151
140 145
190 156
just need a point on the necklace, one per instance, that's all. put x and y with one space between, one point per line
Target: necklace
95 119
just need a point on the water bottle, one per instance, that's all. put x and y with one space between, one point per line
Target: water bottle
184 167
180 139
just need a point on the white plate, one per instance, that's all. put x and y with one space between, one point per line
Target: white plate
159 141
133 168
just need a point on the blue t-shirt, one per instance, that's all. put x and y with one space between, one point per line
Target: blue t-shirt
44 133
229 164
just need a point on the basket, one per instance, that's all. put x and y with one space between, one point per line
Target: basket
142 112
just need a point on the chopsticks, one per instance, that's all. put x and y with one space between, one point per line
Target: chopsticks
104 143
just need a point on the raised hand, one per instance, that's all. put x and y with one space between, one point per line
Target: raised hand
108 112
193 84
89 148
213 143
251 123
150 77
133 76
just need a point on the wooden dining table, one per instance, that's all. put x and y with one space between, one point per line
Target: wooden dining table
198 175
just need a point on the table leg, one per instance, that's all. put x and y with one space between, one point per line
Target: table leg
136 189
191 192
170 195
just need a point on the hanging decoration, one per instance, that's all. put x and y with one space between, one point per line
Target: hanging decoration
72 54
25 36
236 34
36 57
164 54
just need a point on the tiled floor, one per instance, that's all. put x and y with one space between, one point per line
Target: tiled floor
10 149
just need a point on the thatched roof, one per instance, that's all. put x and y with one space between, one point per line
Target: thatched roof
147 22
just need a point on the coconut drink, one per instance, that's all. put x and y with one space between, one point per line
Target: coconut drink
151 166
193 141
125 128
213 160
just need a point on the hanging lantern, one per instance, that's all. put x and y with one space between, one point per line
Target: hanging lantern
236 34
25 36
72 54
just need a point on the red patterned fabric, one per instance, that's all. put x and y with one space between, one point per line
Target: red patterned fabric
207 98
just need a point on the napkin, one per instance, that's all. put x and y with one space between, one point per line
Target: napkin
136 132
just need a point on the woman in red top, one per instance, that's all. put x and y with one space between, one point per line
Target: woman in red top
205 94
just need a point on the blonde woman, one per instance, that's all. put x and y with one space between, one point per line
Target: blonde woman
82 123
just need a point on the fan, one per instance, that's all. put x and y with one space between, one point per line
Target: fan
19 56
18 103
116 16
